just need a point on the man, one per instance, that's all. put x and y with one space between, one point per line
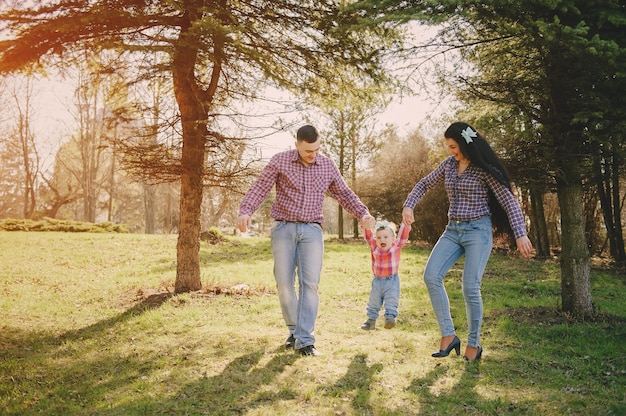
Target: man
302 177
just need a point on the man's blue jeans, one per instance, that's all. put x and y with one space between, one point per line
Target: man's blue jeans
298 250
474 239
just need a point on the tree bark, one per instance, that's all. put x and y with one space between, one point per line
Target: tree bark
339 222
149 192
575 259
538 222
353 155
606 174
193 119
618 250
188 245
342 155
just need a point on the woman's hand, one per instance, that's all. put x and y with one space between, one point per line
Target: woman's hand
407 216
524 246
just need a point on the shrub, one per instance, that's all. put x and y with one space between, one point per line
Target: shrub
51 224
212 236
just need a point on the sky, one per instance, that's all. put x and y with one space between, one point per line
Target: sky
407 113
53 110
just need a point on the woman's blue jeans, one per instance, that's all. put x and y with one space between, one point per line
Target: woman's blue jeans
298 250
474 239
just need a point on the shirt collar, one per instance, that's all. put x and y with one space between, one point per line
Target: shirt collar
296 157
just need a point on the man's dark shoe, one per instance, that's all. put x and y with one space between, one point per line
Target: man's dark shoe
291 342
309 350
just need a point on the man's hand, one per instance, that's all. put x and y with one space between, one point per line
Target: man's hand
367 222
244 222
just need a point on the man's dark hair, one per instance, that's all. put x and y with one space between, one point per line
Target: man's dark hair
308 134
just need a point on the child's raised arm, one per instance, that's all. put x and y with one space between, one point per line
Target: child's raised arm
403 234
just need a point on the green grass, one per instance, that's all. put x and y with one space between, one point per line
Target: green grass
89 328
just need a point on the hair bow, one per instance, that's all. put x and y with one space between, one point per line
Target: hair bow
467 134
382 224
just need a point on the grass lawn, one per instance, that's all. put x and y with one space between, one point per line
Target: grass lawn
89 327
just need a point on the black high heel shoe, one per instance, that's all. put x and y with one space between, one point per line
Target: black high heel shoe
454 345
479 354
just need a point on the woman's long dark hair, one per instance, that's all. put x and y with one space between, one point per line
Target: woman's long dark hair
475 148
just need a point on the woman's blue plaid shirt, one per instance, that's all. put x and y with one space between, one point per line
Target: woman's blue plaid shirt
468 194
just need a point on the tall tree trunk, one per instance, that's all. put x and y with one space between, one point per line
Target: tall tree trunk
342 155
188 245
575 260
149 192
193 119
538 226
29 178
339 222
355 221
168 220
27 148
568 140
606 173
617 240
619 252
112 177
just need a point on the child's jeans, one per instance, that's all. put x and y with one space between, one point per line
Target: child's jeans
385 291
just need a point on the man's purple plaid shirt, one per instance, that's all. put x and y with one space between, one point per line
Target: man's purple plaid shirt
468 194
300 189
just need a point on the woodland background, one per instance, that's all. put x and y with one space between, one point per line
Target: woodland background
170 97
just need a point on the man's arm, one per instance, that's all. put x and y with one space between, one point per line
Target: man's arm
256 195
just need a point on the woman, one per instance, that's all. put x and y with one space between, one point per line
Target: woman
477 185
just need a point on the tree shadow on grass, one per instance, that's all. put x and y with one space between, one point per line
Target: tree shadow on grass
540 355
153 301
236 390
239 388
98 380
17 339
51 388
462 397
115 383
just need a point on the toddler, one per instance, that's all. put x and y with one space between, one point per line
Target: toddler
385 248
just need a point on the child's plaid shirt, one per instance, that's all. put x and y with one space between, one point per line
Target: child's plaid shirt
386 263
